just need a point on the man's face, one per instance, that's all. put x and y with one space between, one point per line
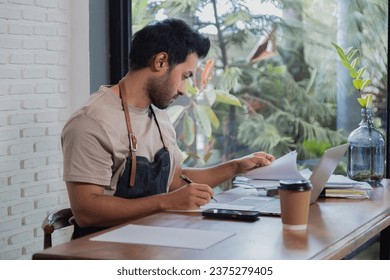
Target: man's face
164 89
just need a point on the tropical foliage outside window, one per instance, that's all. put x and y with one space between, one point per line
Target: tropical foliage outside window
276 82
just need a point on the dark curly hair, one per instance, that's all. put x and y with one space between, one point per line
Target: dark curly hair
173 36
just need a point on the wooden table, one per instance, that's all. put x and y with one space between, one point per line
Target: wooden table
336 228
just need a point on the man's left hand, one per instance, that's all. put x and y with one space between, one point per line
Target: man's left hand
253 161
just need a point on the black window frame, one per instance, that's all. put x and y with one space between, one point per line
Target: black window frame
120 38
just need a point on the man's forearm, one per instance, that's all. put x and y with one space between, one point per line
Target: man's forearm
92 208
214 175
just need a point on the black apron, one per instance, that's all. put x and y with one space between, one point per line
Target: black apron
146 179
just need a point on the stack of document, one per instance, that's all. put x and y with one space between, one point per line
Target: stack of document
337 186
342 186
286 168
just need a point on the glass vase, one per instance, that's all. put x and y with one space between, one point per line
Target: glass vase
366 153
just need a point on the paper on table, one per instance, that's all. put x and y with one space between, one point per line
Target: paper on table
346 193
164 236
285 167
282 168
340 181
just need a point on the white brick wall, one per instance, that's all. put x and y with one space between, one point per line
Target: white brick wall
34 103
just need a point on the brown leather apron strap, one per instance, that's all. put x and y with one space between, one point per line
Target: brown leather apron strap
132 138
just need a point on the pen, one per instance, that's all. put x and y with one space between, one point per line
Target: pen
189 181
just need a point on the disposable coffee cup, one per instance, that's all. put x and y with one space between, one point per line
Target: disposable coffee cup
294 198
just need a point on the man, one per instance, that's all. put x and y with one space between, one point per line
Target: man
121 159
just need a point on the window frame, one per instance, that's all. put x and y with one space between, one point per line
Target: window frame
120 38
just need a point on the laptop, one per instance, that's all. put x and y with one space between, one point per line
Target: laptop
270 206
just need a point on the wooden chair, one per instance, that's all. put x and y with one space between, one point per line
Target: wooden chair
55 220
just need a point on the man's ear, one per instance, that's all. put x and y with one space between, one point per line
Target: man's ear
160 61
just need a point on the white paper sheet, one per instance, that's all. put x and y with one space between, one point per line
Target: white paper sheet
164 236
282 168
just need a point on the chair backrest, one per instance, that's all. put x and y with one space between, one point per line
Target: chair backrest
55 220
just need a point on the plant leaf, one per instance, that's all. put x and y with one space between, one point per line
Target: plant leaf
207 156
351 54
227 98
230 79
212 116
366 82
345 60
340 52
188 130
346 64
203 120
348 51
362 102
185 156
174 112
354 62
357 83
191 90
368 100
210 95
360 72
353 73
279 69
207 72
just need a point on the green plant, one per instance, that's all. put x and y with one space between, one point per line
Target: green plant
350 59
198 111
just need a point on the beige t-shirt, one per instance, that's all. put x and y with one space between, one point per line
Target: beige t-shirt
95 142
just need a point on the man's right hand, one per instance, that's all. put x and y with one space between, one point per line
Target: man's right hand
188 197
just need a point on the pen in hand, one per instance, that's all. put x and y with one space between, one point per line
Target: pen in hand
189 181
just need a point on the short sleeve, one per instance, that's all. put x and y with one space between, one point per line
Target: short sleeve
87 152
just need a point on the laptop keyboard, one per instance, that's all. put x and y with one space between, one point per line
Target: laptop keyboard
262 204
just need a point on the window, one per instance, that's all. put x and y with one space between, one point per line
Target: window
277 59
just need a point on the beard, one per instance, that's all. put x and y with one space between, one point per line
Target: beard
160 91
